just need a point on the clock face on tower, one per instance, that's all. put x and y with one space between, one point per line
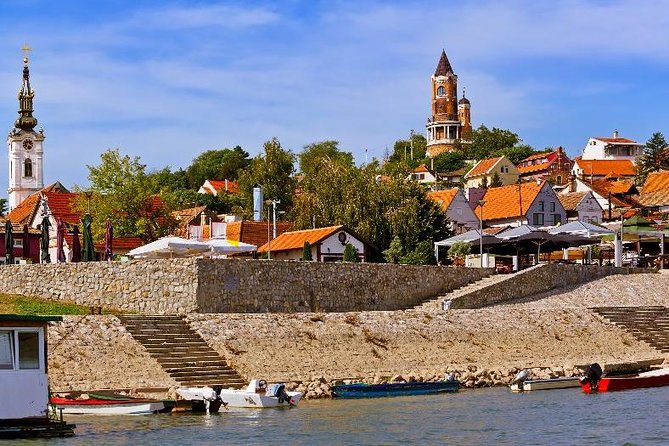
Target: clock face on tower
28 144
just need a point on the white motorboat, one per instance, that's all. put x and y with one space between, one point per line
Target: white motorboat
258 394
97 406
521 383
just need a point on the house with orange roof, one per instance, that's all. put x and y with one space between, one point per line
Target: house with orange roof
614 148
611 194
534 203
254 232
603 169
581 206
453 202
655 192
485 171
553 166
218 187
423 175
327 244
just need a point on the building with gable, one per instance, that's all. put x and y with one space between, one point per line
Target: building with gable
450 121
534 203
611 195
456 207
219 187
327 244
423 175
655 192
603 169
581 206
486 171
615 148
555 167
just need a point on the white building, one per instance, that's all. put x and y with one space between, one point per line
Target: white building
615 148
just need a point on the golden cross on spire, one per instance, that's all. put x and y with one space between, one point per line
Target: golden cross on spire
26 49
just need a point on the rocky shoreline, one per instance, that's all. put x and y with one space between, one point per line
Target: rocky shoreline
550 334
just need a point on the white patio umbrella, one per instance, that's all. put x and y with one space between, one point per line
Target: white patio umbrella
169 247
221 245
581 228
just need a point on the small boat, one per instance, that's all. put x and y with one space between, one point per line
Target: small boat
104 405
595 382
522 383
545 384
258 394
362 390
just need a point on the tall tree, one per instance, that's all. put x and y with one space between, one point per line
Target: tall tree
314 155
410 151
273 170
122 193
217 165
655 155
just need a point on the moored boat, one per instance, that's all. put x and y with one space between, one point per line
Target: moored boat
362 390
545 384
104 406
258 394
595 382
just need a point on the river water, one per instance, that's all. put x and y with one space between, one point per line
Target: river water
470 417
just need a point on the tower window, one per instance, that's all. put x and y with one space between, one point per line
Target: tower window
28 168
441 91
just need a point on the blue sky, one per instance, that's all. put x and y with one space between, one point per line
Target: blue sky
167 80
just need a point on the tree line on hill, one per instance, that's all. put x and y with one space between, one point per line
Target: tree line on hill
319 186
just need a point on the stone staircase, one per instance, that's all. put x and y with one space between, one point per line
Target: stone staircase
182 353
648 324
436 303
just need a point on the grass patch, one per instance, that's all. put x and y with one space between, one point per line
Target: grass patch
23 305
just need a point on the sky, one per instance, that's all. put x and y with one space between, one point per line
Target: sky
167 80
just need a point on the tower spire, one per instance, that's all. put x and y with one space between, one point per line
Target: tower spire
26 120
444 66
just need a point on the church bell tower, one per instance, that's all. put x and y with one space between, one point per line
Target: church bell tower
25 146
450 120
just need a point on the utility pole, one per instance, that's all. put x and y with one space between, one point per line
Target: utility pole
411 142
274 203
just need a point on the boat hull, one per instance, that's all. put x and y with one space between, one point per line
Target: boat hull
546 384
656 378
361 390
107 407
243 398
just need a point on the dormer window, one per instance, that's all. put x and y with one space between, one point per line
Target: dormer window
441 91
28 168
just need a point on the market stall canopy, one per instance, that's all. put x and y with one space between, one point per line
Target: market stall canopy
170 247
221 245
581 228
473 236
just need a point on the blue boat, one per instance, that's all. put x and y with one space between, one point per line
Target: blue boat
362 390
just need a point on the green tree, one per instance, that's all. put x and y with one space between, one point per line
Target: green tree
421 255
460 249
495 181
273 170
164 180
217 165
403 147
122 193
517 153
449 161
394 252
350 253
306 252
3 206
314 155
655 156
219 204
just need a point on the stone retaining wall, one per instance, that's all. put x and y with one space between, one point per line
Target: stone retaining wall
179 286
537 280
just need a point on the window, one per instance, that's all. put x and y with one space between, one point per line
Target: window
6 350
441 91
558 180
538 219
18 243
552 206
557 219
28 350
28 168
541 205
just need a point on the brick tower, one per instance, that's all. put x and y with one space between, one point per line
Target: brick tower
451 120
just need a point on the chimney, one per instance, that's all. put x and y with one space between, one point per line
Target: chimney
615 133
257 203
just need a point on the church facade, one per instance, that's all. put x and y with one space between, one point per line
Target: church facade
450 122
26 175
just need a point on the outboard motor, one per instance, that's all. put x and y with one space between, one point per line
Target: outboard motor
592 375
520 378
279 391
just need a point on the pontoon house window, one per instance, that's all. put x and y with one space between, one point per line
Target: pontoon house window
6 350
28 350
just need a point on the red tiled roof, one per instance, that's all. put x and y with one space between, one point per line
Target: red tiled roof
253 232
571 200
505 202
536 156
656 181
295 239
22 214
615 140
534 167
219 185
483 167
443 197
614 187
421 169
63 205
120 243
607 167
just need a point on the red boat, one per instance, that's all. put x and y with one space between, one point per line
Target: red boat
654 378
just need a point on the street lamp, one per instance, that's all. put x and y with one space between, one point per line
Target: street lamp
481 203
88 194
